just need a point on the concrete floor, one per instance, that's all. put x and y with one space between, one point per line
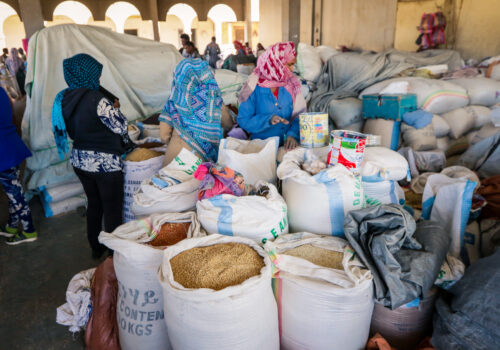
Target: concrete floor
33 281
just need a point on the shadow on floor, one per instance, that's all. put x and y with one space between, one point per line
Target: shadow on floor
33 281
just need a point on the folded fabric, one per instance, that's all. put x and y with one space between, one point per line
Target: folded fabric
404 258
217 179
418 119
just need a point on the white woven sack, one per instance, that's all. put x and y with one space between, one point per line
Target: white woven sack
242 317
139 309
321 306
381 163
255 217
254 159
434 96
318 203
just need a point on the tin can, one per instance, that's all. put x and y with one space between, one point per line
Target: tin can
313 129
346 148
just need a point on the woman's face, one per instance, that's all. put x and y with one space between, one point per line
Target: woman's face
290 64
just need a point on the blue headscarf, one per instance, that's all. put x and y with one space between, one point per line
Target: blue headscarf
80 71
194 107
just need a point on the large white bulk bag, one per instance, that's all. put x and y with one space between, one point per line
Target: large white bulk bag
388 130
441 127
256 217
318 203
230 84
383 192
480 114
254 159
139 307
422 139
308 62
242 317
180 195
321 308
135 173
63 206
381 163
345 112
481 91
326 52
460 122
434 96
61 192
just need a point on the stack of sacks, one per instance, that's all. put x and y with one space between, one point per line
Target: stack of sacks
308 62
346 113
380 170
62 199
318 203
172 189
418 131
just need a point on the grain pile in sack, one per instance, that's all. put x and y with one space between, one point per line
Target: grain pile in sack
434 96
136 260
172 189
481 91
404 257
346 113
254 159
320 307
102 328
140 165
469 318
308 62
448 201
76 311
260 216
318 203
242 316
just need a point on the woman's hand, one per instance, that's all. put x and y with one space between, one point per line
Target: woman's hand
275 120
116 104
290 143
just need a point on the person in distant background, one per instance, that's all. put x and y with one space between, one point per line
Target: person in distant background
21 54
213 52
13 153
15 65
271 99
240 49
90 115
5 55
184 41
248 49
191 51
260 49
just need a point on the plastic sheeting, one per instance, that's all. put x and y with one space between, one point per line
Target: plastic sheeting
404 258
138 71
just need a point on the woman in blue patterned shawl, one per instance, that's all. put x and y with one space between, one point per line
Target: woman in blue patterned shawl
191 117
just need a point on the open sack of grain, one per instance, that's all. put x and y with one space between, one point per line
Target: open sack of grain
260 216
324 293
318 203
217 295
138 251
172 189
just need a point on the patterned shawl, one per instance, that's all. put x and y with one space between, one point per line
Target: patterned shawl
272 72
194 107
80 71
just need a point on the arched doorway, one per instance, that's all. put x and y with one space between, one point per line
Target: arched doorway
119 12
204 30
107 23
223 17
70 12
12 30
171 29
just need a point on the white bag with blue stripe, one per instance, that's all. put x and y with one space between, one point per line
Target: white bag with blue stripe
318 203
448 201
256 217
382 192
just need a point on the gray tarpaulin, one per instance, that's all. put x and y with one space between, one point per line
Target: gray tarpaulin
483 157
345 75
470 318
404 257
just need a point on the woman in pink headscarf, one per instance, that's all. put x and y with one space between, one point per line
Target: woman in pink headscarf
271 100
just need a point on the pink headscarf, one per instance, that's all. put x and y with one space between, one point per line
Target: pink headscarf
272 72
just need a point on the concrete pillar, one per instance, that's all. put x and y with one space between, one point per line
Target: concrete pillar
248 22
153 12
294 21
32 16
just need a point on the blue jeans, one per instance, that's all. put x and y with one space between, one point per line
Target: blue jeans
19 211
